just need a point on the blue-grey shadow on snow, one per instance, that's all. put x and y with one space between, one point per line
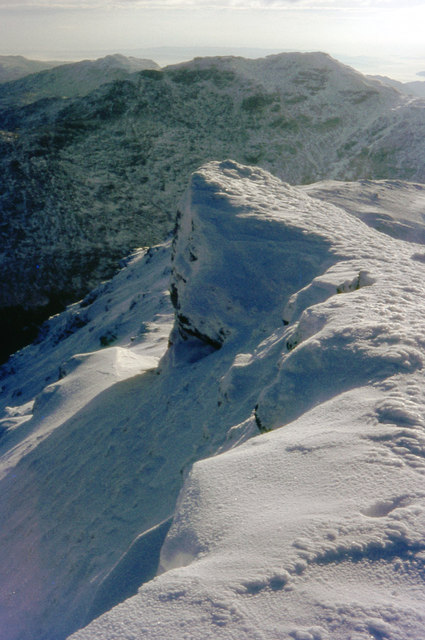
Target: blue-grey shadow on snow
135 567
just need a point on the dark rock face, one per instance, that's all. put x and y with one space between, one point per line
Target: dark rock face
85 180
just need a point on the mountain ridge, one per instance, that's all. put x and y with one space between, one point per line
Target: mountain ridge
109 430
103 173
70 80
13 67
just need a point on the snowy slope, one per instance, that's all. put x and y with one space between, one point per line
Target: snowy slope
288 409
390 206
58 468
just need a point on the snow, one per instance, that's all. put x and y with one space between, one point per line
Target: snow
268 465
377 202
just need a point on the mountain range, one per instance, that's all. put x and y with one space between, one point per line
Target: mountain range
413 88
93 166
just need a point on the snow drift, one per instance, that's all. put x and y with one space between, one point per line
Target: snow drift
286 415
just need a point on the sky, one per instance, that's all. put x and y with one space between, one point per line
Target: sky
367 31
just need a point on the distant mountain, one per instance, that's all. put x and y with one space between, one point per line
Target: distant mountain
85 180
70 80
415 88
14 67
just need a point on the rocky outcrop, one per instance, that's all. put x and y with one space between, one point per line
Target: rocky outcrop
223 255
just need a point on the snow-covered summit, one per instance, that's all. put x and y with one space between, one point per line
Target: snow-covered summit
315 71
282 431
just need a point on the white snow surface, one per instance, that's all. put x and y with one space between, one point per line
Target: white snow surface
286 418
394 207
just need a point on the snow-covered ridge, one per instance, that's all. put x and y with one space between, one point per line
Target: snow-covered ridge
316 70
224 251
290 312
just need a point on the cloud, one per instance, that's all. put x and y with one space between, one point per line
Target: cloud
49 4
288 5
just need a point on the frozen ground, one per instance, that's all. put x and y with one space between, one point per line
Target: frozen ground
286 418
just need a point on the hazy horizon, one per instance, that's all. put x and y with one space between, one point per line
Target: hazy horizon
374 36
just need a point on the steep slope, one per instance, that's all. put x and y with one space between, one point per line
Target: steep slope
288 312
70 80
85 181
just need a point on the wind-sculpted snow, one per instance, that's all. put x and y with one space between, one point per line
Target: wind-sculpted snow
377 203
229 239
282 431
